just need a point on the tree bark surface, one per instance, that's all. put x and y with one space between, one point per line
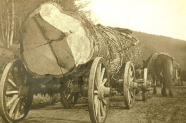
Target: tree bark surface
55 42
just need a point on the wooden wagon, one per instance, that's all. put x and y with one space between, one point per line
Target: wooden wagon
59 46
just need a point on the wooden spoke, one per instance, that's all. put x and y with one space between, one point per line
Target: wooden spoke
131 93
13 107
131 79
17 109
102 74
22 106
99 74
11 92
21 115
104 81
105 102
68 96
102 109
130 73
96 104
11 100
12 83
129 96
98 108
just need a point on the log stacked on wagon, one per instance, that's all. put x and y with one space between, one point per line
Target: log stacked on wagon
55 42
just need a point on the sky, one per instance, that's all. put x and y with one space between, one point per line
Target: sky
160 17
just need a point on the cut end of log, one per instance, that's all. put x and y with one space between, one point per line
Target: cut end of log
49 29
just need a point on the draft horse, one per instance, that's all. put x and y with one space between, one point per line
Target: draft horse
160 68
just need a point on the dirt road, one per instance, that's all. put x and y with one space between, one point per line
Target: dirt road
156 109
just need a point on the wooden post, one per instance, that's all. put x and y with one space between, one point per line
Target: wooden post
145 77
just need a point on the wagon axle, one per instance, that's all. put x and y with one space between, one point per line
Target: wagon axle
105 92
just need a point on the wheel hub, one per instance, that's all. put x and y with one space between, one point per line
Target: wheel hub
103 92
23 91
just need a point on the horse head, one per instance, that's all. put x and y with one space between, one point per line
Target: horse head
146 62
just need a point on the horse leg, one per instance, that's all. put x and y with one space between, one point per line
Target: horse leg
163 90
169 88
181 82
155 89
170 92
164 85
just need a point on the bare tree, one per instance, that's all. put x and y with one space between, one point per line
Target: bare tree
13 13
12 24
7 22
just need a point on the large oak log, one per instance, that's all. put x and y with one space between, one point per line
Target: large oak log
55 42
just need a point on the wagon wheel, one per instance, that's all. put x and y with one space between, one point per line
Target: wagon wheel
98 91
68 98
15 98
128 84
144 89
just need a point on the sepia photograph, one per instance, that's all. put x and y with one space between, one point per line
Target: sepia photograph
92 61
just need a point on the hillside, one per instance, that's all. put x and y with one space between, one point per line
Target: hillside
154 43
